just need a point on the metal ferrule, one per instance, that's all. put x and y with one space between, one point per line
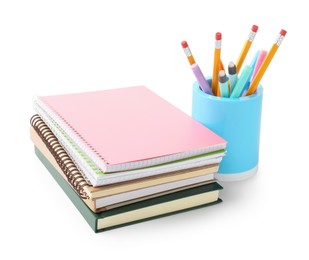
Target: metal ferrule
187 51
279 39
251 36
218 44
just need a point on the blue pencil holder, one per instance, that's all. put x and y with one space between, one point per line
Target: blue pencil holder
238 121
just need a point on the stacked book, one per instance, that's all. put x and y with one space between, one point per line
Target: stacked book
126 155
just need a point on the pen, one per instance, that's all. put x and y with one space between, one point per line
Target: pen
246 48
217 54
201 79
256 64
254 84
254 61
252 65
232 75
245 74
188 52
224 87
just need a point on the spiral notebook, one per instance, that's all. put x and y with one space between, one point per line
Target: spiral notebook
48 144
98 178
128 128
116 195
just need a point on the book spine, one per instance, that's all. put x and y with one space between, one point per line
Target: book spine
73 175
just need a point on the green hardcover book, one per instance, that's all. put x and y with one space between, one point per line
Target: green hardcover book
165 205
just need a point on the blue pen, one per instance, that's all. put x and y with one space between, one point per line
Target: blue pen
224 86
252 65
241 82
232 75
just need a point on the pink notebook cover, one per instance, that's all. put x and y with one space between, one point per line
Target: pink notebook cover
130 124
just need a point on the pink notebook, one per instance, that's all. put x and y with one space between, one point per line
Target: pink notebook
129 128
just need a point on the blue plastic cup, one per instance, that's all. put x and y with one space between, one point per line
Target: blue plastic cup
238 121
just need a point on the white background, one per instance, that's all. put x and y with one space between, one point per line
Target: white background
53 47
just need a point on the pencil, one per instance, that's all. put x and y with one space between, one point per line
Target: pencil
246 48
204 85
221 66
214 85
255 82
188 52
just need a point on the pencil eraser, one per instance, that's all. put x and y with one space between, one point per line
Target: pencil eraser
254 28
184 44
222 76
218 36
232 68
283 32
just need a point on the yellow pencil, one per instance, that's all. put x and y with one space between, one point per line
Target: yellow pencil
188 52
246 48
255 82
214 85
221 66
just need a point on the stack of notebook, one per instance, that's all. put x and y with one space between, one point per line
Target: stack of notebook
126 155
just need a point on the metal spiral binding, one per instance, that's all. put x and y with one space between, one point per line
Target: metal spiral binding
73 175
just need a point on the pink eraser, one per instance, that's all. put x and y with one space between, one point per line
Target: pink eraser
254 28
218 36
184 44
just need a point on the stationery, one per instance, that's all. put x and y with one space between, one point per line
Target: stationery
246 48
112 196
252 65
131 131
232 75
201 79
224 87
260 59
216 65
188 52
241 82
177 202
254 84
258 66
196 69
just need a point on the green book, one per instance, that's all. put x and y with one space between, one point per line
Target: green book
165 205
